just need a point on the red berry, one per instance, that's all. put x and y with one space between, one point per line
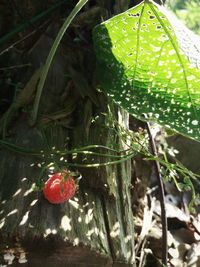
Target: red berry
59 189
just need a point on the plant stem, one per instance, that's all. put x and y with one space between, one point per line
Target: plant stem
51 54
162 197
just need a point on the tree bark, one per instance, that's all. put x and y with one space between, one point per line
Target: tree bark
96 227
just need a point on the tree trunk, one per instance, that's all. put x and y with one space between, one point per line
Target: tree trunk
95 228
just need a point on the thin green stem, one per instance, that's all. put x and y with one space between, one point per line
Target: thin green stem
101 164
81 150
51 54
98 146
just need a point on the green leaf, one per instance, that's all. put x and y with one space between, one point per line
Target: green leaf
147 62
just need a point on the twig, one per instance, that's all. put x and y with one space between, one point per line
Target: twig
16 66
142 254
22 39
147 224
162 197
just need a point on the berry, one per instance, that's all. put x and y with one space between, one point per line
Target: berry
59 188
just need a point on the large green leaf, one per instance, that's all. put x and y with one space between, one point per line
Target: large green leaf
148 64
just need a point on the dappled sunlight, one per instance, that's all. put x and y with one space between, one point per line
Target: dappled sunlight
30 225
86 204
16 197
76 241
32 165
128 238
30 190
49 231
81 210
12 212
22 198
2 222
89 216
13 254
76 199
115 231
22 258
9 258
74 203
65 223
105 185
75 221
24 179
114 182
24 219
17 192
102 235
95 231
89 233
33 202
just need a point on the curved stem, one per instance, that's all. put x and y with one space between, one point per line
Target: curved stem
94 165
52 52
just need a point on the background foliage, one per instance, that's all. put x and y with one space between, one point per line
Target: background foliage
188 11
